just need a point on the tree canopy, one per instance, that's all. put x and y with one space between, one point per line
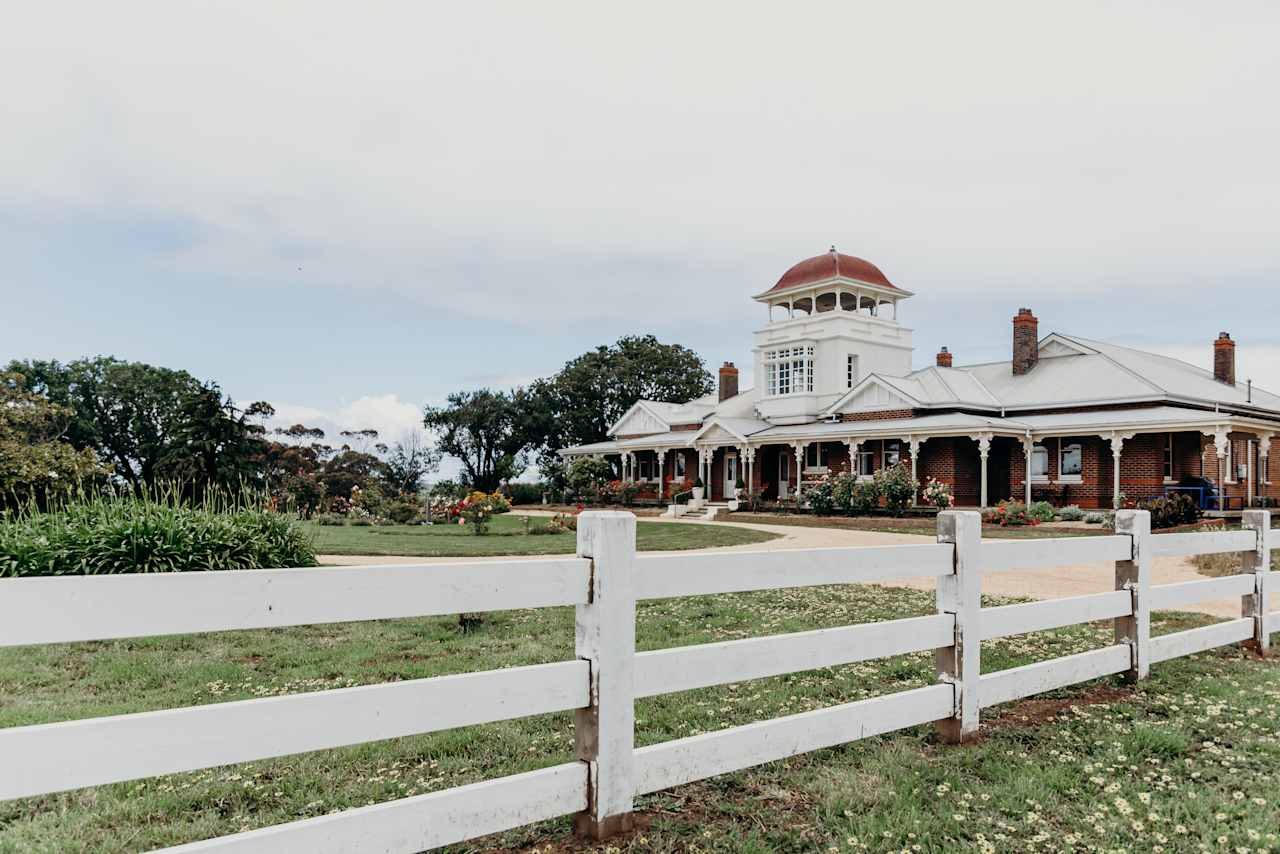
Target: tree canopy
482 430
35 459
579 404
151 424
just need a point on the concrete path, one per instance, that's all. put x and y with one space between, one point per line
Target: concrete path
1040 584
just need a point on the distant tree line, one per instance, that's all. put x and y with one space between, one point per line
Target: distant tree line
102 420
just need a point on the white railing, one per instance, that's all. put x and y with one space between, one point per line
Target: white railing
602 683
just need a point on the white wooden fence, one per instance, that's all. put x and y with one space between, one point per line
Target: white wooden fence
601 685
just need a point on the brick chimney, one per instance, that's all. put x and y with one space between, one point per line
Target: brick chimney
728 381
944 358
1026 342
1224 359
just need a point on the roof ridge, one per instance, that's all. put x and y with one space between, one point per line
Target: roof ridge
1183 362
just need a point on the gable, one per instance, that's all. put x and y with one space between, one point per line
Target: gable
874 397
716 433
1056 345
639 421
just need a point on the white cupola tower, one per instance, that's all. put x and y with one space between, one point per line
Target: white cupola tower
833 319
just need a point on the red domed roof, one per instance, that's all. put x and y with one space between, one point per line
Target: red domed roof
828 265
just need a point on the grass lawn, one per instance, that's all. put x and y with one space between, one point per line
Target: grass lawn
1187 761
507 537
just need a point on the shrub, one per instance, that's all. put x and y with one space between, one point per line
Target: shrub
402 511
625 492
558 524
106 535
328 519
588 478
821 497
526 493
896 487
1010 514
1095 518
864 497
1071 513
938 494
1172 510
1041 511
478 510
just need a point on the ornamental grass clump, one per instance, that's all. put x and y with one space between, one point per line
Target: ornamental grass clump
103 535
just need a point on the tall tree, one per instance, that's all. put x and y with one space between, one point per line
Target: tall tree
407 462
481 429
579 404
149 423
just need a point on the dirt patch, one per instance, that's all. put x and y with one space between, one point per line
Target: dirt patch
1037 711
693 805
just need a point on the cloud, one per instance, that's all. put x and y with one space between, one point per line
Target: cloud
507 161
386 413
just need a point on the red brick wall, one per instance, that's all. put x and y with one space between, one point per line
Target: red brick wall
877 416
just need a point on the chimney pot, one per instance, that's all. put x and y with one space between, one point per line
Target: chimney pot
1224 359
1026 341
728 381
944 358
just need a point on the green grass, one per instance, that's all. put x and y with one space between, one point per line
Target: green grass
507 537
1132 769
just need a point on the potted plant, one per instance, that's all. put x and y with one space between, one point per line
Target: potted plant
738 486
698 489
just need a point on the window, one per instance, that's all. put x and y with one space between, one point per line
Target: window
679 466
1039 462
892 453
1070 460
1168 457
814 456
646 468
866 461
788 370
851 370
1228 465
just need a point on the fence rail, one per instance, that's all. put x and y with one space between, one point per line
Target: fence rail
604 583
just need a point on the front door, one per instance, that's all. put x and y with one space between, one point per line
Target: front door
784 474
730 474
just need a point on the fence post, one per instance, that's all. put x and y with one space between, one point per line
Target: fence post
604 732
1134 575
960 594
1258 562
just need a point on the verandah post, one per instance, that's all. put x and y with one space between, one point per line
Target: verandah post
1134 575
1258 562
960 594
604 732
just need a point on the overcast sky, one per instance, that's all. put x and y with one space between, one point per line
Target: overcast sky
351 210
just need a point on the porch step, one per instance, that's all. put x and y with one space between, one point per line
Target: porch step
706 512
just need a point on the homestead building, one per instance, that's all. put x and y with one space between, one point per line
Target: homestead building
835 391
